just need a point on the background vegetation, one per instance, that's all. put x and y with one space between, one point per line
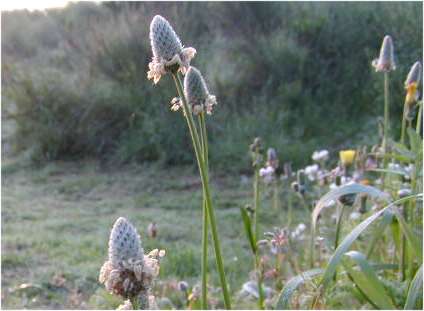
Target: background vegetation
297 74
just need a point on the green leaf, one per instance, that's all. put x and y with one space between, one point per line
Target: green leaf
351 238
248 228
416 142
283 302
343 190
415 292
368 281
378 233
416 245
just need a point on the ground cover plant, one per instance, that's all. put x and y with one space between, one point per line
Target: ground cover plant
343 231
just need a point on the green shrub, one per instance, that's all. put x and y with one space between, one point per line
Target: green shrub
297 74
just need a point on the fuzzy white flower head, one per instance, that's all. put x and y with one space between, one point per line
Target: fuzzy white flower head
128 272
267 173
414 75
168 51
311 171
124 242
197 93
386 60
320 155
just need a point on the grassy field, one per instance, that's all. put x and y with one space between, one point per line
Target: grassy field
56 222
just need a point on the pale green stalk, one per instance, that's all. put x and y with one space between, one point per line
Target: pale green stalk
402 133
420 112
338 229
204 268
205 183
257 232
386 122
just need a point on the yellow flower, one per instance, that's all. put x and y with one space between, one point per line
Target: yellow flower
411 93
347 156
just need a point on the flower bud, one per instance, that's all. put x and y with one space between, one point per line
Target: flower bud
414 75
386 60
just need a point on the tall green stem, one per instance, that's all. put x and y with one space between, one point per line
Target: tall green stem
402 133
204 143
386 122
338 229
257 232
205 183
419 117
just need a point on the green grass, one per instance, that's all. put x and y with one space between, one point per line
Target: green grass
56 222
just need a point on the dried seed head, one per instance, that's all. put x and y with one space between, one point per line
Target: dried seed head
386 60
197 93
165 42
414 75
168 51
124 242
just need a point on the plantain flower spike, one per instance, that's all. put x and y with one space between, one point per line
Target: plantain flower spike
129 273
386 61
168 52
412 83
197 93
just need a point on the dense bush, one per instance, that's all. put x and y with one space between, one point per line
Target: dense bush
296 74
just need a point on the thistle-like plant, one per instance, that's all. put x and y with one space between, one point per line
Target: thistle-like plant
194 98
128 273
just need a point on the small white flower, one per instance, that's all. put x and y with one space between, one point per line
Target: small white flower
355 215
320 155
311 171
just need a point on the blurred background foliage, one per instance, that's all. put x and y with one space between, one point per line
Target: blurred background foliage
297 74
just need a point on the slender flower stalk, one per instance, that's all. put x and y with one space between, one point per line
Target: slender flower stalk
169 56
419 118
338 229
256 201
204 268
386 63
205 183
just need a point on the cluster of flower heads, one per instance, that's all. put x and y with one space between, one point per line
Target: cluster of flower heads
128 272
169 55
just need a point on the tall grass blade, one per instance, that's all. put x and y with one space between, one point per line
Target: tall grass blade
351 238
415 293
248 228
283 302
368 281
347 189
416 245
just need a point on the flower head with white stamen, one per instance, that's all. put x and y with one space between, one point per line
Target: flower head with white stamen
168 52
197 93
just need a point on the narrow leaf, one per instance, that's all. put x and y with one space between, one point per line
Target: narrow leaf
415 292
368 281
351 238
248 228
283 302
